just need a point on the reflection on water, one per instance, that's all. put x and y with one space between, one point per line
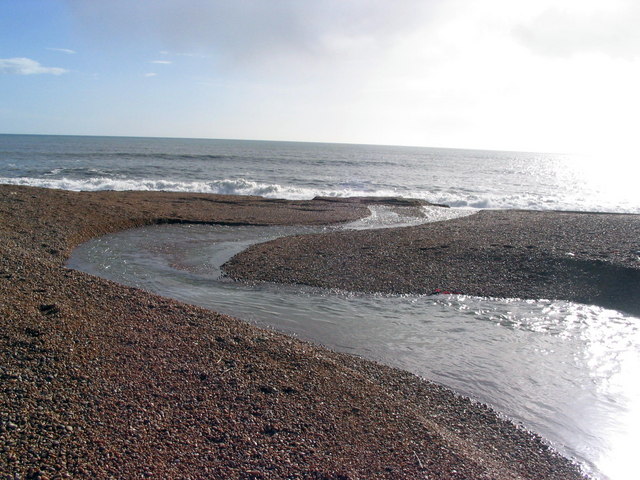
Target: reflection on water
591 178
564 370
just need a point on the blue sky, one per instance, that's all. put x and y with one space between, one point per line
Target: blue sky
545 75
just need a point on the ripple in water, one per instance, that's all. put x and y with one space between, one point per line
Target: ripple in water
565 370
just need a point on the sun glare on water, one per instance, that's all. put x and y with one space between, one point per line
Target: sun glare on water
617 462
609 178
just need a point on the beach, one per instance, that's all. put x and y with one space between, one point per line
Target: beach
101 380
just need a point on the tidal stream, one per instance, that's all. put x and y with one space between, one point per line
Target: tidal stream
564 370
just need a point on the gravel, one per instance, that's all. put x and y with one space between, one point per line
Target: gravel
583 257
99 380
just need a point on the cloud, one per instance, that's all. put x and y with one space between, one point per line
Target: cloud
254 30
161 62
150 74
62 50
610 29
26 66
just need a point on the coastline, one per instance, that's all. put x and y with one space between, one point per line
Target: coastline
103 380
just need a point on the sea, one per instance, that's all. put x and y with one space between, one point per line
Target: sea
293 170
566 371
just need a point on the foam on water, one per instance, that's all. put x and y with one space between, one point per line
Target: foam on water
224 187
242 186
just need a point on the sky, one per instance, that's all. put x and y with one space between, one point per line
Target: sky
527 75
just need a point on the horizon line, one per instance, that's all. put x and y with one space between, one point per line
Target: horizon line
483 149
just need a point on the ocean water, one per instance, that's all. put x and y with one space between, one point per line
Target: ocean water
565 370
459 178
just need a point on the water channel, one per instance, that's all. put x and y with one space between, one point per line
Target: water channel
564 370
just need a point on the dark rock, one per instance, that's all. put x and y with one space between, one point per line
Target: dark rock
49 309
268 389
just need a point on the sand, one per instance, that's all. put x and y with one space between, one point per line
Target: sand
99 380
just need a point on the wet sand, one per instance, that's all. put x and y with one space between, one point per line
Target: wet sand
101 380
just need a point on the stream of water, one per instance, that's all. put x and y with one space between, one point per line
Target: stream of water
564 370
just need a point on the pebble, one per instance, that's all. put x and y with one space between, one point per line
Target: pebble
134 356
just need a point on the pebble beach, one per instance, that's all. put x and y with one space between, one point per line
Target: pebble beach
100 380
589 258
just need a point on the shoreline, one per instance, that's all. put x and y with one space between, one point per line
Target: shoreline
104 380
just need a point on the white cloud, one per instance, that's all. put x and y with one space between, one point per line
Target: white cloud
610 28
161 62
150 74
62 50
254 30
26 66
532 74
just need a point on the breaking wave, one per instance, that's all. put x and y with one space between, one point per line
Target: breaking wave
460 197
223 187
